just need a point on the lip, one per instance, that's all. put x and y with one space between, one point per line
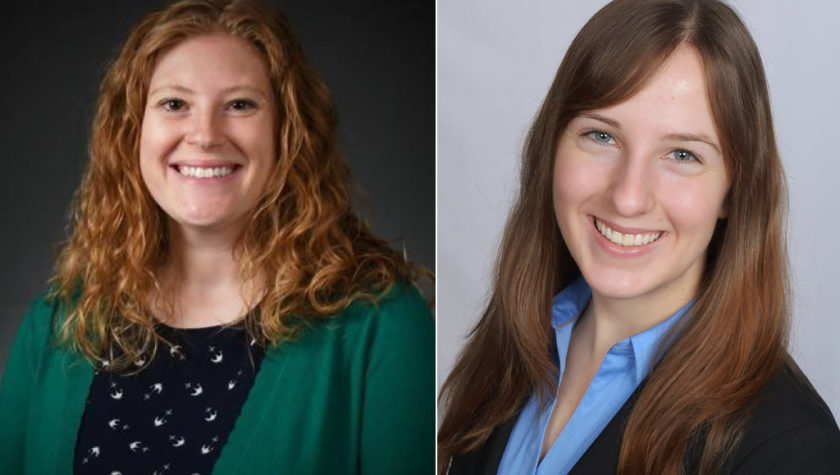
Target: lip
622 229
204 163
624 251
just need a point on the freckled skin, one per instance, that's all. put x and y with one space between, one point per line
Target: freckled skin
208 124
635 181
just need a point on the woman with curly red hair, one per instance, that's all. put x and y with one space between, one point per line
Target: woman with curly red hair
219 306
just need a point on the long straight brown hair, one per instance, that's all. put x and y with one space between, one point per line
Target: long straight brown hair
735 336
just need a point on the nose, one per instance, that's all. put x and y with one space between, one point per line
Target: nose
632 187
205 130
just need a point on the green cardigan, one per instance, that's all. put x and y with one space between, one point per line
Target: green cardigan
352 394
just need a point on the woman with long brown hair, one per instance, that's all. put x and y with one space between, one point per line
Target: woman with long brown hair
219 306
639 313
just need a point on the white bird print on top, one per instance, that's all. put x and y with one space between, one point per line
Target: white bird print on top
176 351
151 385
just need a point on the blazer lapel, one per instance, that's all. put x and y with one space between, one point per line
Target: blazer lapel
602 455
485 459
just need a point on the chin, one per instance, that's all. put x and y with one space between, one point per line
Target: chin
617 285
202 222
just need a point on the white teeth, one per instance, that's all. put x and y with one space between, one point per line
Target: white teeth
199 172
626 239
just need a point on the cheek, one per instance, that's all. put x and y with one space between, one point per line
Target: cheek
576 181
257 137
570 190
155 139
146 153
693 208
563 192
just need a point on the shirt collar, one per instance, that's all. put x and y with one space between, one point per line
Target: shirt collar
646 343
569 303
567 306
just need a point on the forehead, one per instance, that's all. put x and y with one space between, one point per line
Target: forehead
674 100
208 60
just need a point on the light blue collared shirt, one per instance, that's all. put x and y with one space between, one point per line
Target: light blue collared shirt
626 364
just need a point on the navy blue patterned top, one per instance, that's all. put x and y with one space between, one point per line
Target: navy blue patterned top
174 416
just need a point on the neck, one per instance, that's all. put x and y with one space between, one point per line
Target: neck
202 279
202 261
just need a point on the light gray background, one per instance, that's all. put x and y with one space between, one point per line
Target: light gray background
495 64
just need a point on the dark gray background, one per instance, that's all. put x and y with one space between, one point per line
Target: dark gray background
377 58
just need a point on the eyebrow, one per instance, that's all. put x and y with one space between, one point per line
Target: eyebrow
226 90
680 137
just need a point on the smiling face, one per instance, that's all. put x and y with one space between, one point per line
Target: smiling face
639 187
207 139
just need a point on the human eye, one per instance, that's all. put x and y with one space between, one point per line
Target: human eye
242 105
683 156
172 104
600 137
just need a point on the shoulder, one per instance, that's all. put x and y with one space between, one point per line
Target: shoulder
398 321
791 428
37 326
399 310
788 402
394 335
34 340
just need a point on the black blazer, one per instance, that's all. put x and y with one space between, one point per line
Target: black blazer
791 431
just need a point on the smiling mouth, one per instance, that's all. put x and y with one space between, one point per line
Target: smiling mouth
205 172
626 239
